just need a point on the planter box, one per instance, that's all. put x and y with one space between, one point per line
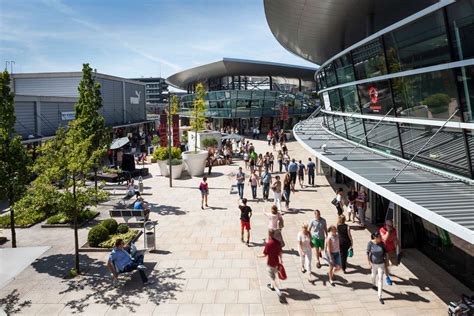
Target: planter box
66 225
177 170
195 162
87 248
163 168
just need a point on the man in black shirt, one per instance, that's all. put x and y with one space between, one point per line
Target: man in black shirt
245 215
351 197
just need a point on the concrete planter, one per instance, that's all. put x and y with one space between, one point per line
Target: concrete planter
177 170
195 162
163 168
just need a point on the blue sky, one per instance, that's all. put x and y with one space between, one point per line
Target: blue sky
134 38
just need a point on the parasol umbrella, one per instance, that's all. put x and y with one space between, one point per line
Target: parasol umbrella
235 136
119 143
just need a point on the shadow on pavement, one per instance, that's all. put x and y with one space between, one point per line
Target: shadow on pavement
166 209
11 303
298 295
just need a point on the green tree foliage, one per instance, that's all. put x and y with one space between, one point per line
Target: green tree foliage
175 104
14 161
198 119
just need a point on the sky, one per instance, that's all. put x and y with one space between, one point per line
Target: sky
139 38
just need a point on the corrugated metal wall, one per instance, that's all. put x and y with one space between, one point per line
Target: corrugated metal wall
112 100
134 112
51 116
25 119
58 87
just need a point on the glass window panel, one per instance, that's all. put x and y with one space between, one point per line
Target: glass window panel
384 136
335 100
355 129
349 98
461 26
330 75
369 60
445 151
465 77
470 141
375 97
344 69
430 95
420 44
340 127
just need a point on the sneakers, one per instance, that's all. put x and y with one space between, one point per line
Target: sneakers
141 267
149 282
381 301
374 288
388 280
270 287
318 265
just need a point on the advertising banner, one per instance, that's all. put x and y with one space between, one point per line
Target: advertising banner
284 113
175 125
163 130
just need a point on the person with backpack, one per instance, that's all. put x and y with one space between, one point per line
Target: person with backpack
245 215
204 188
377 258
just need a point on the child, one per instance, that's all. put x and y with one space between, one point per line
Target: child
245 215
204 188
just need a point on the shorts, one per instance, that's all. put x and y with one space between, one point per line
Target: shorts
318 243
245 225
337 258
272 272
392 258
204 193
301 177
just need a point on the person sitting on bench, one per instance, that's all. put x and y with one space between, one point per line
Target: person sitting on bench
121 261
141 205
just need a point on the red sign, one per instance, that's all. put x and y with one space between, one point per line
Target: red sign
373 94
163 130
176 131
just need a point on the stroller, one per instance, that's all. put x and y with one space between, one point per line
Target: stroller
464 307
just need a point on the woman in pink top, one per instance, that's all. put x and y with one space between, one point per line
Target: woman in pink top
204 188
275 222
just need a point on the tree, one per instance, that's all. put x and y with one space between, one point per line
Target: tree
198 119
89 122
175 105
14 161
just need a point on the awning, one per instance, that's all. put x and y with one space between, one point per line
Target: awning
445 202
119 143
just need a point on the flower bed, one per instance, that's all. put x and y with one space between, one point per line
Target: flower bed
102 237
62 220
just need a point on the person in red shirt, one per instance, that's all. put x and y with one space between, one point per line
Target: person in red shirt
204 188
392 245
273 253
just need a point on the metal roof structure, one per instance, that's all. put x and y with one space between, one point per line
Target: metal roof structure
445 202
234 67
318 29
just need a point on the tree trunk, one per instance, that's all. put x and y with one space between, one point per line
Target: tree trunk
12 223
76 236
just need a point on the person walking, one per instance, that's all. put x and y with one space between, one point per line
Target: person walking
318 230
351 198
271 160
276 188
333 253
287 188
240 177
274 142
361 206
204 188
345 240
310 166
293 169
280 161
275 223
339 201
377 258
266 182
269 136
286 161
245 215
254 181
273 252
392 246
304 249
301 172
260 163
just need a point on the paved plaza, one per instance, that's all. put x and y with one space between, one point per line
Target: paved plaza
202 268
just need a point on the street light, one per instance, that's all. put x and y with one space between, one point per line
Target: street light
169 141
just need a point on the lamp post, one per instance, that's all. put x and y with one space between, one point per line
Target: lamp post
169 140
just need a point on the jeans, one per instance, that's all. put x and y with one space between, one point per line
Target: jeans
286 167
266 190
280 163
240 188
254 191
293 177
361 213
277 197
311 178
377 277
133 266
287 197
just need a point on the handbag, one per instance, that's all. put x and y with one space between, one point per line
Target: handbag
281 272
334 202
350 252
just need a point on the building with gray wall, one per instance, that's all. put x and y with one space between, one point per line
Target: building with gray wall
45 101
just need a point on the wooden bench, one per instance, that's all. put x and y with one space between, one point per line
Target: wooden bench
130 216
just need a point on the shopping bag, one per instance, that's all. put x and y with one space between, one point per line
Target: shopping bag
350 252
281 272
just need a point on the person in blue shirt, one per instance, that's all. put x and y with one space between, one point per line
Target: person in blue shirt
121 261
301 172
141 205
292 169
311 166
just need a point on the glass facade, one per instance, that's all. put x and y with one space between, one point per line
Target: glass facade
375 97
461 27
369 60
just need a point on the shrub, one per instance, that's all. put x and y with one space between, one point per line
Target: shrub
175 153
96 235
160 153
127 237
102 196
175 162
111 225
62 218
155 140
58 219
209 142
437 103
122 229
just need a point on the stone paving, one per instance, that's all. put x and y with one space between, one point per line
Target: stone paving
202 268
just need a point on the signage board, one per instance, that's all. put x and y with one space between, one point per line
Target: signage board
67 116
163 130
175 126
327 102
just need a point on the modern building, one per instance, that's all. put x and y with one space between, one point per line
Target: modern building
246 93
397 88
45 101
156 93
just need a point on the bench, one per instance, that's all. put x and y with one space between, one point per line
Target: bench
129 215
113 268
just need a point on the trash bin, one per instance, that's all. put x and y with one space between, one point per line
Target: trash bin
149 229
140 185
